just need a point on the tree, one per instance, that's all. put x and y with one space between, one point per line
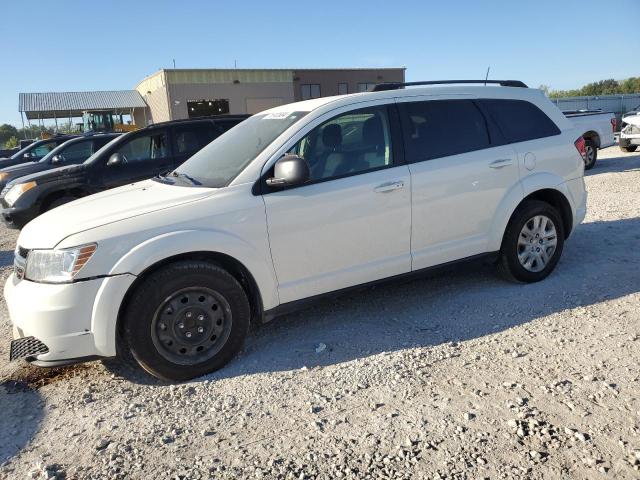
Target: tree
6 132
602 87
13 142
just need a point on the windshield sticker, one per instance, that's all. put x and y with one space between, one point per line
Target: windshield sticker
276 115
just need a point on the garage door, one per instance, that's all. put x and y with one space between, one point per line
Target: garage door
255 105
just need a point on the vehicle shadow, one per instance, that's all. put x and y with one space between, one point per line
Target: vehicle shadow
623 163
6 258
22 413
462 303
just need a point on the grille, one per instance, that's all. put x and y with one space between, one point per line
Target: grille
26 347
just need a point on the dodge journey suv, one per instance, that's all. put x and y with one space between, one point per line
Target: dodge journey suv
294 203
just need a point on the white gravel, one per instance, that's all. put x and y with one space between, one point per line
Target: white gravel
459 375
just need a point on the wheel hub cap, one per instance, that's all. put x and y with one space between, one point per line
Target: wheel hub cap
537 243
191 325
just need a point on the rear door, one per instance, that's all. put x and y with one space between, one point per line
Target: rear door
460 171
145 154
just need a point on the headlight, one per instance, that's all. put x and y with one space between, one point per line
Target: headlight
16 191
57 266
3 175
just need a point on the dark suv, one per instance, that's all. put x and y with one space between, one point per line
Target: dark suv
71 152
135 156
35 151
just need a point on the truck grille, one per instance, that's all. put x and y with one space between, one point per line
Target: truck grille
26 347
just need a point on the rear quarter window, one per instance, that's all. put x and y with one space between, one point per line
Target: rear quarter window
520 120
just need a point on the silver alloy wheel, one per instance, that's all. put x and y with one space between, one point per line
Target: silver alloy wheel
191 326
590 151
537 243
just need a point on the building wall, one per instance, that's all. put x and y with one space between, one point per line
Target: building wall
154 92
330 78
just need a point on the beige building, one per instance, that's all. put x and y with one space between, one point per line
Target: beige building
186 93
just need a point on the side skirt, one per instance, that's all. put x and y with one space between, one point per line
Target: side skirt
284 308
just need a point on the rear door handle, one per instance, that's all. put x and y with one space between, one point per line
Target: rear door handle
503 162
389 187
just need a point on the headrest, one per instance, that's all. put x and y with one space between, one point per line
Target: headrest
372 131
332 135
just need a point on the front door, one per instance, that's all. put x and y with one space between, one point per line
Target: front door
351 223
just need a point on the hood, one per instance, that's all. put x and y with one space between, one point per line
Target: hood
632 118
23 169
110 206
48 175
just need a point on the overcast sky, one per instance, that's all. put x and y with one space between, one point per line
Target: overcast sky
75 46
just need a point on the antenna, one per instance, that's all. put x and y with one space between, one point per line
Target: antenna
487 75
235 64
174 63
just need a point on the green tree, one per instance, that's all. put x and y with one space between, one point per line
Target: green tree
602 87
6 132
13 142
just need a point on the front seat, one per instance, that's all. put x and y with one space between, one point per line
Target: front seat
333 157
375 154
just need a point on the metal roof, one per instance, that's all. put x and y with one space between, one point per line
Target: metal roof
63 104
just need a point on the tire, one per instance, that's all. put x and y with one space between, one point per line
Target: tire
629 148
592 154
59 201
513 249
193 299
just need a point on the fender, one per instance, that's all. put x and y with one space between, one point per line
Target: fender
170 244
525 187
159 248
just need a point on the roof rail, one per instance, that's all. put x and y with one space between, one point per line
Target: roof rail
381 87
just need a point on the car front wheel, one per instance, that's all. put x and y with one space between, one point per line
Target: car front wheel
186 320
532 243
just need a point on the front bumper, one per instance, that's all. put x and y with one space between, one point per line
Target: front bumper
73 320
17 218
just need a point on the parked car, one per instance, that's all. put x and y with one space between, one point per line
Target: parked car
630 130
35 151
597 128
298 202
132 157
71 152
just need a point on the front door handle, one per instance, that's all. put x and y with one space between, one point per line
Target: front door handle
389 187
503 162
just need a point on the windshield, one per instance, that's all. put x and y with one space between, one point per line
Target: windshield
26 149
217 164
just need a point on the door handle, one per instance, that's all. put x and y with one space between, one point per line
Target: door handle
503 162
389 187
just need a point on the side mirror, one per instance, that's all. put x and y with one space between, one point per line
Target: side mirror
116 159
57 159
288 171
27 155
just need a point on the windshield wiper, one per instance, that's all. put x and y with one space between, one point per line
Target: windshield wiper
184 175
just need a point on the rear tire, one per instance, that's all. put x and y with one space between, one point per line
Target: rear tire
629 148
532 243
592 154
187 319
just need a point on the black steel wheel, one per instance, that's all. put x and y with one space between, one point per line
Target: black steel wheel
185 320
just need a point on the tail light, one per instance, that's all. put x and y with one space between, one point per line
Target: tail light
580 146
614 124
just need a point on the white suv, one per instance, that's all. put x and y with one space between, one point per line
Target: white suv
296 202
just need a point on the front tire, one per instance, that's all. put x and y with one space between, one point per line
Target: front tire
592 154
532 242
185 320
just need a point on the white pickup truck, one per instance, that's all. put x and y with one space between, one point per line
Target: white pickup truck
597 129
630 130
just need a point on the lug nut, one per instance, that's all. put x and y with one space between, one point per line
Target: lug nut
189 314
200 329
181 325
200 318
188 334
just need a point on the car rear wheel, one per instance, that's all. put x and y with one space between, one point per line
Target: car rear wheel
532 243
592 154
186 320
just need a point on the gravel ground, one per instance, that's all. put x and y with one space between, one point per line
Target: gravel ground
458 375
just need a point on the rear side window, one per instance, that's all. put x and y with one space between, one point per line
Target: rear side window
520 120
78 151
440 128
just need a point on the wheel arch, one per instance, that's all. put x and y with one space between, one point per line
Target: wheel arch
236 268
559 201
593 136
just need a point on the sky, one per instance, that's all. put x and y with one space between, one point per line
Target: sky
112 45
